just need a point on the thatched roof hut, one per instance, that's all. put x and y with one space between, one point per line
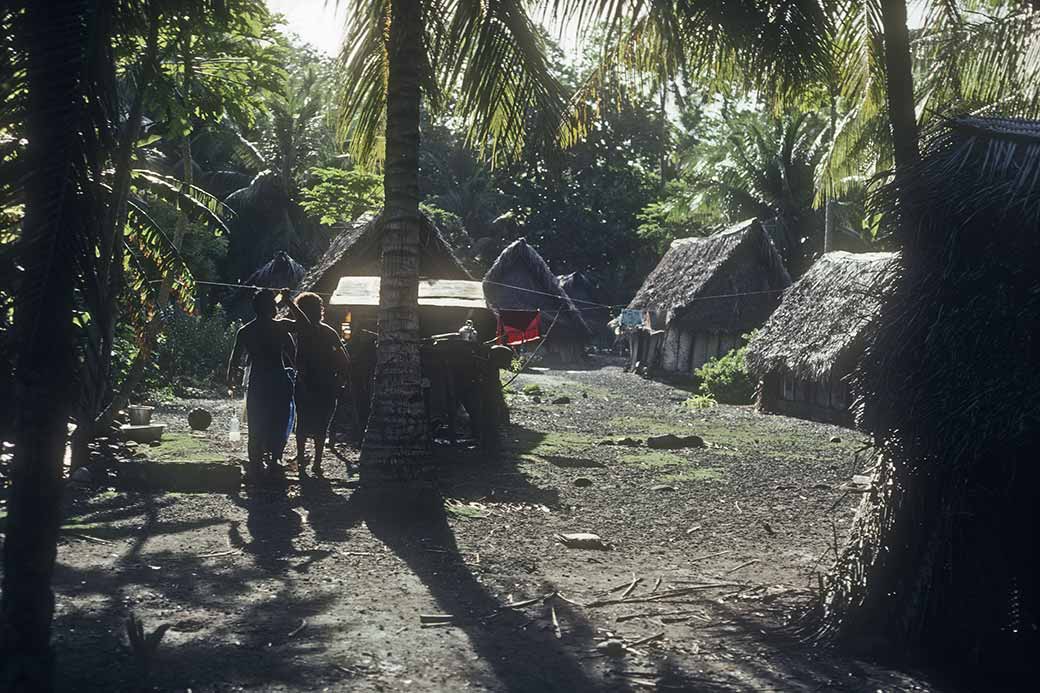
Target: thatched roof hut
280 271
705 293
520 280
740 265
816 336
820 323
356 252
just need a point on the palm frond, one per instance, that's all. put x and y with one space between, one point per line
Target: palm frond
774 48
362 97
494 54
197 201
151 247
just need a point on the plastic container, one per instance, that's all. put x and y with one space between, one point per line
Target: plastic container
234 429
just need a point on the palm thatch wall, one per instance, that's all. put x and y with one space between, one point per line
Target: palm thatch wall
815 337
520 279
705 293
944 559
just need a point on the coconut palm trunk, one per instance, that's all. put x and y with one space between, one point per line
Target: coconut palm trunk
396 437
900 85
55 41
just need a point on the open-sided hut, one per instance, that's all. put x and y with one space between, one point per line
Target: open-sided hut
814 339
704 295
520 280
356 253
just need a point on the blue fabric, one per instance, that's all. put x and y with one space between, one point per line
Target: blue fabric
270 410
631 317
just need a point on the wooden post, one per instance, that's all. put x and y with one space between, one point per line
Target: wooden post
685 351
670 356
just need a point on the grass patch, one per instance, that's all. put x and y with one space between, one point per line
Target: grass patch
551 443
532 389
183 447
653 459
464 511
701 402
698 474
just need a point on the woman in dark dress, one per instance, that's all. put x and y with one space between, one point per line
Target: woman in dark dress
269 397
321 364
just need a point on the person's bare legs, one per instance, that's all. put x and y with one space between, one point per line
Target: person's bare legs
301 453
319 448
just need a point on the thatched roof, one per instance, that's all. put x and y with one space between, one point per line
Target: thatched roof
697 279
520 280
823 317
280 271
356 252
579 287
588 298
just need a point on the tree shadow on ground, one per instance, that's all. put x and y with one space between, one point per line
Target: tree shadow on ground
259 642
519 653
329 514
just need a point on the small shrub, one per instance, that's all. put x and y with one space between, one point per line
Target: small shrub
196 348
701 402
517 364
726 378
532 389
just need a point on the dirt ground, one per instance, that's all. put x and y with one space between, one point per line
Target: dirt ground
293 590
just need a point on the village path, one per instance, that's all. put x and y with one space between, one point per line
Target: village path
296 591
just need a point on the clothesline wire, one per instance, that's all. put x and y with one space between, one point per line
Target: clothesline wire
533 353
524 289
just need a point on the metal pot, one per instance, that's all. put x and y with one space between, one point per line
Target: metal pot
140 415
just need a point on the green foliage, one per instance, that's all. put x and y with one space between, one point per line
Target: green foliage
532 389
340 196
517 364
740 163
726 379
196 348
702 401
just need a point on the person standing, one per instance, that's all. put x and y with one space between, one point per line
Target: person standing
322 365
269 395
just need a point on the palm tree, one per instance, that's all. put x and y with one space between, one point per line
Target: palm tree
969 56
65 80
756 165
85 239
398 53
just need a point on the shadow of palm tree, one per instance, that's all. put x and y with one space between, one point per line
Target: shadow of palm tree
523 655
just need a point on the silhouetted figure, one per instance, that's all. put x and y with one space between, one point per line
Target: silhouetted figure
321 364
269 397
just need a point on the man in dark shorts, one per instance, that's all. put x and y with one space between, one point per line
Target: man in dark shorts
269 397
321 365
